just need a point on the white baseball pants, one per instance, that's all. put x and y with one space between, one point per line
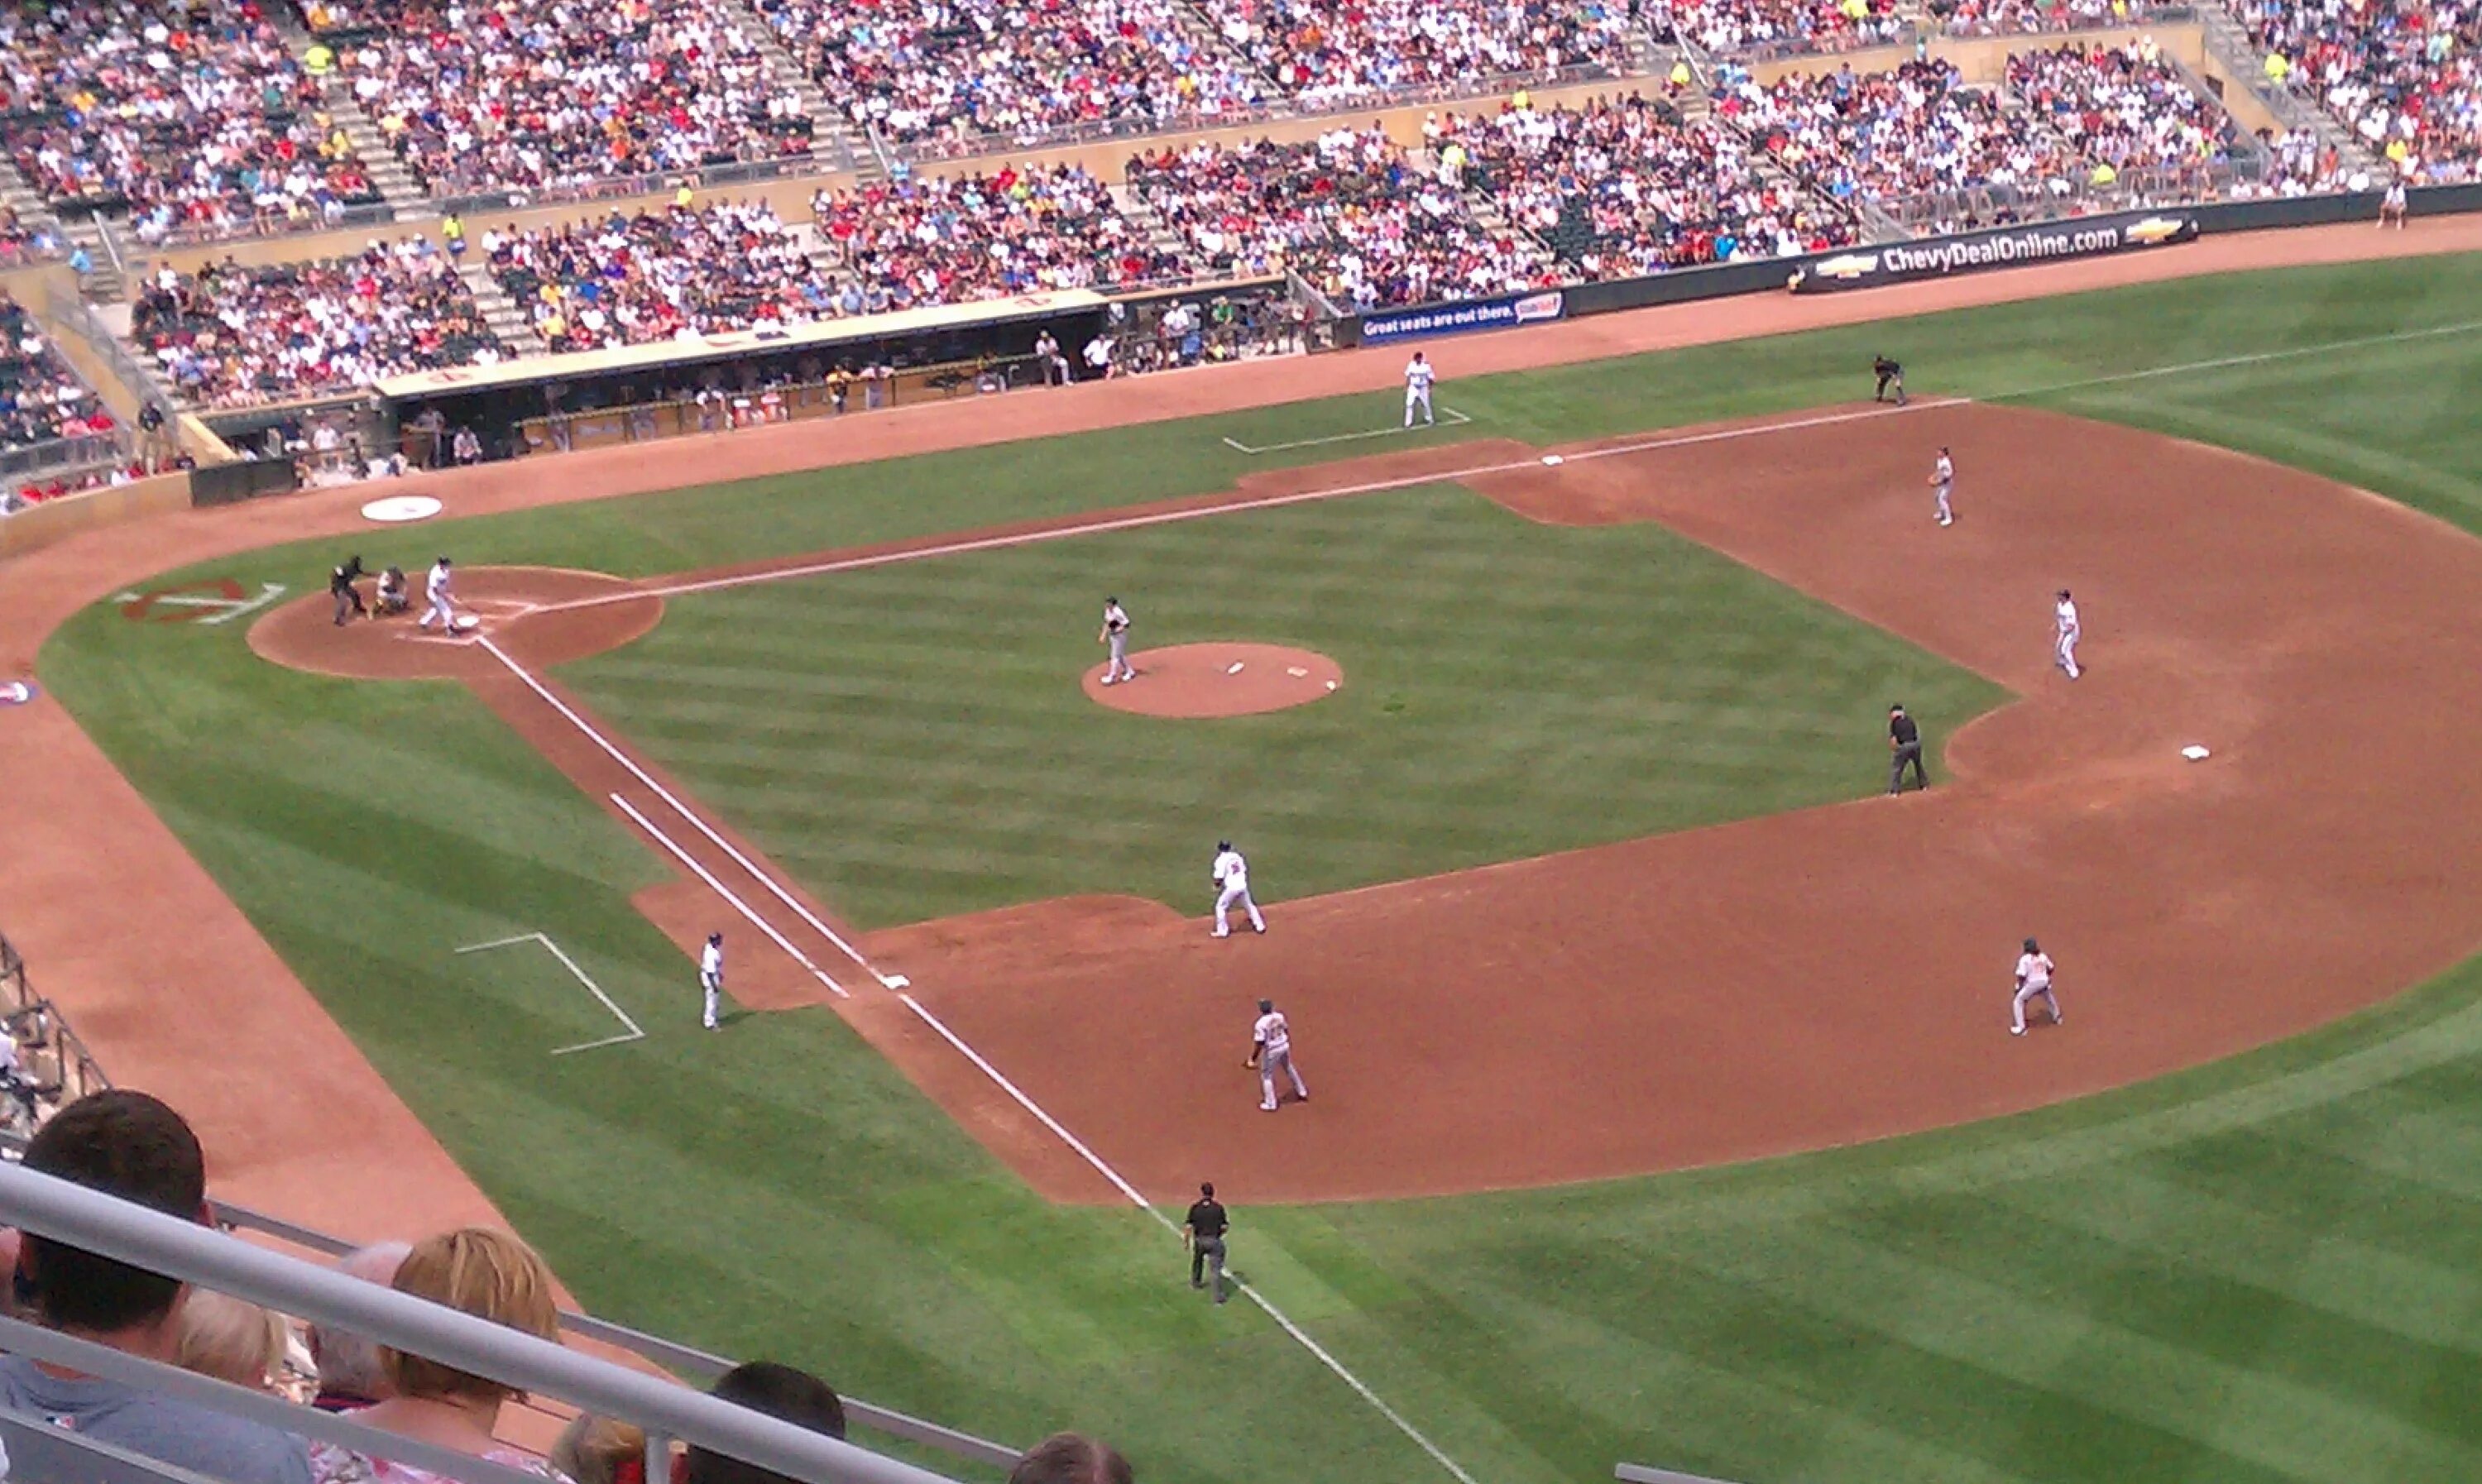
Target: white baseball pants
2028 993
712 985
1240 895
2065 653
1267 1066
441 610
1418 396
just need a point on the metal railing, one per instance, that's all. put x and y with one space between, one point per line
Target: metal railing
85 450
76 1072
195 1254
826 155
2032 21
71 312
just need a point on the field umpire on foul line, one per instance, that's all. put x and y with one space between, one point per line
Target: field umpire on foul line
1203 1229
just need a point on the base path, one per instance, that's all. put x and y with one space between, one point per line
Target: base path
177 998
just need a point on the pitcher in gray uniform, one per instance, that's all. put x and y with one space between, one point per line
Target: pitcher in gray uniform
1116 634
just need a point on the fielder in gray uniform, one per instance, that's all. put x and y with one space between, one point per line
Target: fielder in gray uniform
1116 633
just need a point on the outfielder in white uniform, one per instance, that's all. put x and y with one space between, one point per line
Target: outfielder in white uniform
711 978
1942 485
1418 376
2064 644
1231 876
1271 1046
1116 633
444 603
2033 982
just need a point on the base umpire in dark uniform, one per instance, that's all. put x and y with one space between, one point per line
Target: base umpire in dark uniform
1203 1229
1889 373
1904 751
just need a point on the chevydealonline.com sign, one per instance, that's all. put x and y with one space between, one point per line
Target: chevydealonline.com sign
1998 246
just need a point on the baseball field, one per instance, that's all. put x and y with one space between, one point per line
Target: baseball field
1665 1108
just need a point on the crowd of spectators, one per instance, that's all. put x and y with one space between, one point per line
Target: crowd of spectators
1341 51
1776 27
138 1150
1346 210
1627 187
633 279
236 335
927 71
2025 17
2406 79
478 95
40 398
1879 136
194 114
949 240
2123 108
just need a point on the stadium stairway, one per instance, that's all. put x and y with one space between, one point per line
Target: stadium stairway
387 171
2234 52
1159 233
833 143
509 323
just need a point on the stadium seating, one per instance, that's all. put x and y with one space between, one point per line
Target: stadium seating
537 94
2124 107
1332 51
931 239
196 116
237 336
1882 137
1627 187
1776 27
2406 80
1347 210
2025 17
630 279
922 71
40 398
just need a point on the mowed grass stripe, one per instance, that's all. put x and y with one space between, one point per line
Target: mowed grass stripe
1511 689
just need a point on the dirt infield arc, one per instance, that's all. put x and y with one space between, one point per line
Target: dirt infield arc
1760 988
176 996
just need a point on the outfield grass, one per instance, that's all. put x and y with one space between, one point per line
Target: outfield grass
2257 1271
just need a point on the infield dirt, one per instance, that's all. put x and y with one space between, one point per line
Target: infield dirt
2322 860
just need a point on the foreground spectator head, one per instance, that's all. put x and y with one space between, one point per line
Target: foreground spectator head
782 1392
130 1145
229 1339
1071 1458
491 1275
600 1450
351 1372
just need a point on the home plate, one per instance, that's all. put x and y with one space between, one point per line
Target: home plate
2195 753
466 623
1553 460
1234 669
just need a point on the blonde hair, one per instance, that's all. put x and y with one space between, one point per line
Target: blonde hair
229 1339
491 1275
591 1448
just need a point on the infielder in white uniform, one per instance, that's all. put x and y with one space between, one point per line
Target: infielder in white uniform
711 977
1942 485
1116 633
2064 644
1271 1046
1231 876
2033 982
1418 376
444 603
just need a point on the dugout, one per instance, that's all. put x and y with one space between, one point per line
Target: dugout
586 398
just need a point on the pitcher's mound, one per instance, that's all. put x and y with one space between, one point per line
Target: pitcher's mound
1218 679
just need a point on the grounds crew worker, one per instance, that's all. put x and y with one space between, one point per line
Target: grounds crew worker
1905 750
1202 1230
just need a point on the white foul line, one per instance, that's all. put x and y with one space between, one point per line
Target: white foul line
1449 417
725 892
2225 362
1248 1289
1228 507
684 810
591 988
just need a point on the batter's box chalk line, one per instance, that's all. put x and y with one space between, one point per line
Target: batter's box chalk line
630 1030
1449 417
